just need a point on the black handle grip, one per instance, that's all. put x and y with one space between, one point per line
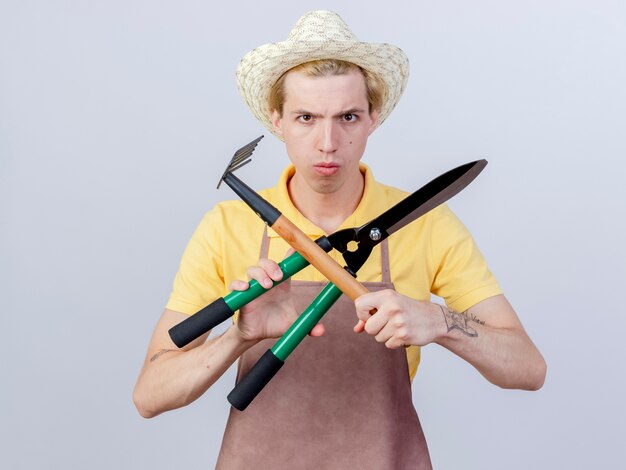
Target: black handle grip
201 322
256 379
268 213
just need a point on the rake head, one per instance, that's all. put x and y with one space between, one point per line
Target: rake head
241 158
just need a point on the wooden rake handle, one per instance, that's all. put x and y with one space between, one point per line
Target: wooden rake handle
307 248
321 261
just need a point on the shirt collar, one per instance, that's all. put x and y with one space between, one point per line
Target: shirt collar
372 203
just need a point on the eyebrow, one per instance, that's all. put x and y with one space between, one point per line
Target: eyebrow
339 114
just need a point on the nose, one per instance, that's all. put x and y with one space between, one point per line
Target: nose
328 138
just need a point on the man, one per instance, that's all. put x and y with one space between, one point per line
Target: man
343 400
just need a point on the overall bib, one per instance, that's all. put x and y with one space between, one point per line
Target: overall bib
340 401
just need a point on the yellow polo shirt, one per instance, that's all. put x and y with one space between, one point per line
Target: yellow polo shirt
434 254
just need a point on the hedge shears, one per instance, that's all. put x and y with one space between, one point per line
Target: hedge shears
355 245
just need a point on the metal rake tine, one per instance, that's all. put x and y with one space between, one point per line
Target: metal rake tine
236 167
245 148
242 154
238 158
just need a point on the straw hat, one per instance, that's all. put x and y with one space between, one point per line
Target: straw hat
318 35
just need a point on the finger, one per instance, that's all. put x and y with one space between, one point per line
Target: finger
318 330
271 268
260 275
385 334
394 343
367 304
376 323
359 327
239 285
364 306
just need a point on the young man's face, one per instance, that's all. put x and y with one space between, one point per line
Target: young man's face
325 125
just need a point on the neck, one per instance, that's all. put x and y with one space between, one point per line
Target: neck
326 210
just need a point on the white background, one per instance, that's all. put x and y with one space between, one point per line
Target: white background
117 118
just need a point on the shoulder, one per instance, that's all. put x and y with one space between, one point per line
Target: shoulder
227 218
437 218
226 210
377 197
391 194
234 218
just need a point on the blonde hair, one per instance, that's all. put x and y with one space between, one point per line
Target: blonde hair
375 87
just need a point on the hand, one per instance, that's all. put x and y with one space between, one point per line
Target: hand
271 314
399 320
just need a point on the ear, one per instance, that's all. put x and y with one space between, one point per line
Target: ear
277 122
374 116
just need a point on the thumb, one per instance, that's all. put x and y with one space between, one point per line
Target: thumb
366 305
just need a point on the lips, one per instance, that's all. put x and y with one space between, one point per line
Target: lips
326 169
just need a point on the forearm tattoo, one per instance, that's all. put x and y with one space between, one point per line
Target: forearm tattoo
159 354
461 321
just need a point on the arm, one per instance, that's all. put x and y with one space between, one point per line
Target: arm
489 335
171 378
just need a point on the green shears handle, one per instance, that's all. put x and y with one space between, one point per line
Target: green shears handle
269 364
225 307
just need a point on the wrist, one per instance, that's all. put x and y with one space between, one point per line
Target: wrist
235 335
440 323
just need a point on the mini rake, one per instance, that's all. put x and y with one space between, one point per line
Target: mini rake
309 250
223 308
241 158
264 209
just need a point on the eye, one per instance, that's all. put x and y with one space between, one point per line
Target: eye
305 118
349 117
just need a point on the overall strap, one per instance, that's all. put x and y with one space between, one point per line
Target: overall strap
265 244
384 262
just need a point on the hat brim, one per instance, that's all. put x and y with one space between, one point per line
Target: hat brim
263 66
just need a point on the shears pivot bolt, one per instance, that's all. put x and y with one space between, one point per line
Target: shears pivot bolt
375 234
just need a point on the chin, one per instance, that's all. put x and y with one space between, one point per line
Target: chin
325 186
